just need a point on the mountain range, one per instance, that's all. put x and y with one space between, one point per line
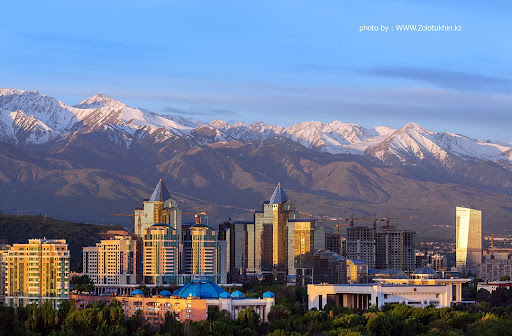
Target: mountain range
100 156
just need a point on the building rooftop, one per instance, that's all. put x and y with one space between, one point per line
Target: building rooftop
279 196
424 271
160 194
201 288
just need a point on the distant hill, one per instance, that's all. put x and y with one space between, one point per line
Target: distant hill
18 229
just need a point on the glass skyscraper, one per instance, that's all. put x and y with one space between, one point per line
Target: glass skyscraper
469 239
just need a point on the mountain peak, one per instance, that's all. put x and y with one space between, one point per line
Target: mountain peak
97 101
411 126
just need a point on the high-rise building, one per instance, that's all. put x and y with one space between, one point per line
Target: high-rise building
159 208
200 251
468 239
38 272
111 261
336 243
4 249
305 236
382 248
361 244
271 237
235 233
395 249
497 264
160 254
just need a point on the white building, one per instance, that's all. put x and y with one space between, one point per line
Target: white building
423 290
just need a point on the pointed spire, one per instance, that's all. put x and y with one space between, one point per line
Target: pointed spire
279 196
160 193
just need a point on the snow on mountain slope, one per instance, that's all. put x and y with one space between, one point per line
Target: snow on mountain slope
413 143
27 117
50 111
335 137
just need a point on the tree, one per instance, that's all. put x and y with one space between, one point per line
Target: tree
82 284
505 278
171 326
278 312
144 289
248 318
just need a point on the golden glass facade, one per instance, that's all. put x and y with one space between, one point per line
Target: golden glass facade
38 272
469 239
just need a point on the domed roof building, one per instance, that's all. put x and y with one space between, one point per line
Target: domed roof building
215 295
201 288
268 295
137 292
165 293
237 294
225 295
425 273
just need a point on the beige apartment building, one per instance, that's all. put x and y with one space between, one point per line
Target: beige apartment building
37 272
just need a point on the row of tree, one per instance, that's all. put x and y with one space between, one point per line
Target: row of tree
492 316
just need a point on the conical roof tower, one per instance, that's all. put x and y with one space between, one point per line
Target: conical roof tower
160 194
279 196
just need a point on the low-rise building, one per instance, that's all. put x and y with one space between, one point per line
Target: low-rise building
189 302
357 271
422 291
153 308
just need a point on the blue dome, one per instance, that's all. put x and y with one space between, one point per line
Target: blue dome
268 295
224 295
165 293
237 294
137 292
424 270
200 288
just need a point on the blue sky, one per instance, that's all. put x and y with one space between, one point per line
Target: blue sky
277 61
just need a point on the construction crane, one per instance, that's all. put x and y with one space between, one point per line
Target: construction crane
497 236
388 219
352 219
138 215
337 226
196 214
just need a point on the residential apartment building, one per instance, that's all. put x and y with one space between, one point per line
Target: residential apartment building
161 250
382 248
37 272
111 261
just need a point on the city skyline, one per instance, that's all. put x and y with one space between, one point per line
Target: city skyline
276 62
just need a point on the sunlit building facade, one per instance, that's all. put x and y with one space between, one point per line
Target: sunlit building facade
111 261
468 239
271 235
200 251
37 272
159 208
161 264
305 236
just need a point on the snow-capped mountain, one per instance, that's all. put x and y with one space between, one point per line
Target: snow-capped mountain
27 117
414 144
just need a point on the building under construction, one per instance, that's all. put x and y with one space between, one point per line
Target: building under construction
385 247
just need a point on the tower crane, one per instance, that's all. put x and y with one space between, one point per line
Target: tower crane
138 215
196 215
388 219
352 219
